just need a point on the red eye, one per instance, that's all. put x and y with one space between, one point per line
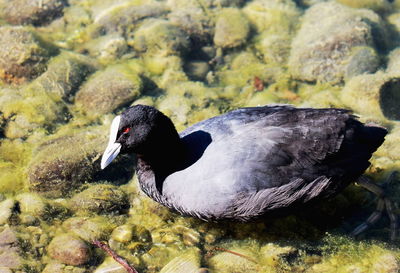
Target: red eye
126 130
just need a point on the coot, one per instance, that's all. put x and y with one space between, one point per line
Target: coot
246 163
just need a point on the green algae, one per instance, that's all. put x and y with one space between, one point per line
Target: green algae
43 106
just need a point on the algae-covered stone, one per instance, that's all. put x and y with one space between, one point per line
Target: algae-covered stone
225 262
325 48
64 75
6 209
158 35
36 12
89 229
244 68
188 262
30 112
9 249
69 249
22 54
62 164
107 48
128 232
100 199
57 267
110 265
10 257
195 22
393 65
275 17
107 90
122 17
32 204
376 96
197 70
231 29
376 5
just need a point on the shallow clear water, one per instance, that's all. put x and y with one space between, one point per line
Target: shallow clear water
67 70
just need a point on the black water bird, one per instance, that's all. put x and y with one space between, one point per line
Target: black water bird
246 163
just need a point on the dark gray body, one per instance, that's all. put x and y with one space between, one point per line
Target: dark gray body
252 161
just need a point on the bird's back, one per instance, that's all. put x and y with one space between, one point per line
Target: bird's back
254 160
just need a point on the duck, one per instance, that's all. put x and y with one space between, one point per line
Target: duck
247 163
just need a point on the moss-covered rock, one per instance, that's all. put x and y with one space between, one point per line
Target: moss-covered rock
393 65
275 17
100 199
9 250
244 68
188 262
57 267
32 12
195 22
231 29
63 163
107 48
22 54
327 47
225 262
157 35
375 96
110 265
376 5
64 75
89 229
197 70
69 249
6 210
30 112
32 204
107 90
123 17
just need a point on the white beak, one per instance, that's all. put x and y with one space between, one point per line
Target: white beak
113 148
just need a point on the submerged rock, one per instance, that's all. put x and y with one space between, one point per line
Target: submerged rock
195 22
64 163
64 75
9 249
156 36
107 90
231 29
375 96
225 262
107 48
197 70
36 12
89 229
188 262
31 204
22 54
69 249
30 112
6 209
55 267
110 266
123 17
326 48
275 17
100 199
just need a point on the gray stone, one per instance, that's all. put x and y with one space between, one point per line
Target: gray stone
22 54
36 12
69 249
231 29
107 90
100 199
327 45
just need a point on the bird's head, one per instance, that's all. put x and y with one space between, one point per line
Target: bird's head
139 129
